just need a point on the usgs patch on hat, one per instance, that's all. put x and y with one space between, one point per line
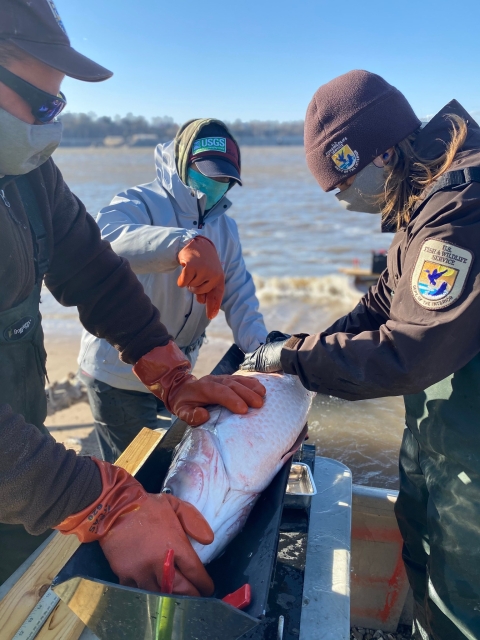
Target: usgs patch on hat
203 145
440 274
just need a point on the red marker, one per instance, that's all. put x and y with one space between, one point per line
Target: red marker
168 574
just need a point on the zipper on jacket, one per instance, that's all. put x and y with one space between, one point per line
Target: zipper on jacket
10 210
201 217
4 198
200 220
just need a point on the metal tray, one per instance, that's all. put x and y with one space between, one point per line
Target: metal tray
300 487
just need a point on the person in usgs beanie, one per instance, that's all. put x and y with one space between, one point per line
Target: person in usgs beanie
416 332
47 235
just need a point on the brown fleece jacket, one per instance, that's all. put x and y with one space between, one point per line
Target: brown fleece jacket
395 342
40 482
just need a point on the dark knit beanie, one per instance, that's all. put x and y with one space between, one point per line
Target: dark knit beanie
350 121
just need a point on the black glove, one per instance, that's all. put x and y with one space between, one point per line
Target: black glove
266 358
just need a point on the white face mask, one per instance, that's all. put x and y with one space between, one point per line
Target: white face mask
23 146
363 194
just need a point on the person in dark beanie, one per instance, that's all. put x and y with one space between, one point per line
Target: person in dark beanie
47 236
154 226
415 333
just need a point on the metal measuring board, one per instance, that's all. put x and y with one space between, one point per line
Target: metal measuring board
37 617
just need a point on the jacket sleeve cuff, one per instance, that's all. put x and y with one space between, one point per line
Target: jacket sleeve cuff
288 356
187 237
120 494
251 341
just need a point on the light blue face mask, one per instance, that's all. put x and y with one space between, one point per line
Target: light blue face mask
211 188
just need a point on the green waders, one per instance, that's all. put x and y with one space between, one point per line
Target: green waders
438 508
22 375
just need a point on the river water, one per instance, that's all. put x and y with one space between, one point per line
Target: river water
294 240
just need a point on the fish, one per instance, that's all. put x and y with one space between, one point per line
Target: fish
223 466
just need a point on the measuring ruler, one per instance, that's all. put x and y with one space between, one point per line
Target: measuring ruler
37 617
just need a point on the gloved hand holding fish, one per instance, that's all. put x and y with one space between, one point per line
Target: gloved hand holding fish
222 466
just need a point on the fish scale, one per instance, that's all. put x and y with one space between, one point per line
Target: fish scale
222 466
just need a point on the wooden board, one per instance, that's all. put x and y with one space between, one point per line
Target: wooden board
357 271
62 624
361 276
134 456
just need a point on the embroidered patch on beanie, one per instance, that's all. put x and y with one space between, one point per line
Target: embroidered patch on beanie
343 157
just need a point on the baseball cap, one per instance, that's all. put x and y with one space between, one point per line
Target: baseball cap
216 154
35 27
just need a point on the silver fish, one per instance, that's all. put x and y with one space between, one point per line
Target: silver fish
223 466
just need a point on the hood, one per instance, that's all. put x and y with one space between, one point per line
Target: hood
431 140
186 136
190 201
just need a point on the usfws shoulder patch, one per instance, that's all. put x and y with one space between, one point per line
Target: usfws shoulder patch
440 274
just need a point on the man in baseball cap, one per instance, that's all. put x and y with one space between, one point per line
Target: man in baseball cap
182 214
47 236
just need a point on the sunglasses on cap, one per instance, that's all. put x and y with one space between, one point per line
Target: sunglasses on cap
45 106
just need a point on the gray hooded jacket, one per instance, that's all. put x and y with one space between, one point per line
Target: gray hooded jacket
148 225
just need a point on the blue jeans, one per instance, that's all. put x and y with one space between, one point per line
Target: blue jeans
120 415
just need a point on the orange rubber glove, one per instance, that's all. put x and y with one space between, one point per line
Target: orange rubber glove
166 372
136 529
202 273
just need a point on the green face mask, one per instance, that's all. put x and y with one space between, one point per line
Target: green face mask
211 188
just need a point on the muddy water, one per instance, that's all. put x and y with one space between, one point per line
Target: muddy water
295 238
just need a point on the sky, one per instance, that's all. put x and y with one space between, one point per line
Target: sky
264 59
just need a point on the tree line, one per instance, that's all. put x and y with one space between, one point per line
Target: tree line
88 128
